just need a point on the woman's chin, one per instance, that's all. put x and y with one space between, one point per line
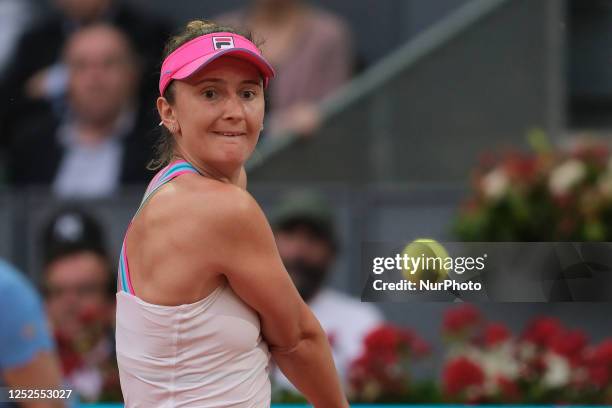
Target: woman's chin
232 157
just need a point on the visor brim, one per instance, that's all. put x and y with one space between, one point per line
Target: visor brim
196 65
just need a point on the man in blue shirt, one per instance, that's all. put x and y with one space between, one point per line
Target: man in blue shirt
27 354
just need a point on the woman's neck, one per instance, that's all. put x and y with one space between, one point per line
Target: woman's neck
228 176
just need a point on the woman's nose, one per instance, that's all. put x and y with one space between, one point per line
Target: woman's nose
234 108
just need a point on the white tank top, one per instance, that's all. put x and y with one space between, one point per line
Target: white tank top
207 354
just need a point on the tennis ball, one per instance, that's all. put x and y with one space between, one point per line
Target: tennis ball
431 257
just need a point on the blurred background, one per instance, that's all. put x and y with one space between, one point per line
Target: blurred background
476 120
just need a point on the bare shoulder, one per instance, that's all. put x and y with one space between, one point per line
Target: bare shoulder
192 200
208 197
205 221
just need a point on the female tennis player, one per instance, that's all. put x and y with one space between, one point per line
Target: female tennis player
203 298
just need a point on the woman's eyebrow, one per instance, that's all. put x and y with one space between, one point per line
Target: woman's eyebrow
252 81
215 80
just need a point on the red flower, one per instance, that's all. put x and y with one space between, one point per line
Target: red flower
596 153
603 352
383 342
599 375
521 167
495 333
509 390
543 331
599 364
386 348
535 368
459 319
460 374
383 337
388 342
370 368
570 345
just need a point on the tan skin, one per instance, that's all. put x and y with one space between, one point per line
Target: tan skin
198 232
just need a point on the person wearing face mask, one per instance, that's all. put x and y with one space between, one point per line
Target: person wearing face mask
307 241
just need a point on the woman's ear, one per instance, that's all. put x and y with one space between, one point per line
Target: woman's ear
166 114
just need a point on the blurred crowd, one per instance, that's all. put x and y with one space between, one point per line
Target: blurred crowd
80 84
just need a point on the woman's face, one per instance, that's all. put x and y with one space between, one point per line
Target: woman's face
219 113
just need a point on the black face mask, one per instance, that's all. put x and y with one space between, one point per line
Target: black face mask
308 278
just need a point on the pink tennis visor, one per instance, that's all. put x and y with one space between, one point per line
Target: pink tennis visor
197 53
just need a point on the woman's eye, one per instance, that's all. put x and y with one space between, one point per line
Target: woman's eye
248 94
209 93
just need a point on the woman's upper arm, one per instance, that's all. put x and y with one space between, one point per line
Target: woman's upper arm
246 253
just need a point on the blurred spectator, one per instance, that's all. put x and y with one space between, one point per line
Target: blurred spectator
307 242
15 16
79 288
37 73
311 51
27 355
102 141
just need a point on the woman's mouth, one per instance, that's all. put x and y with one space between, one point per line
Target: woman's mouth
229 134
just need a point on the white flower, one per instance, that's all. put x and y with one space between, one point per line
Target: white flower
565 176
500 362
557 370
527 350
495 184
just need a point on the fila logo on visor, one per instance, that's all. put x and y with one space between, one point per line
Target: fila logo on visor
221 43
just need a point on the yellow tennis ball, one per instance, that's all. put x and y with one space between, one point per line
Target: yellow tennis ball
427 261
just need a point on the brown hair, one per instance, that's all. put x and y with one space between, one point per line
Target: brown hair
164 150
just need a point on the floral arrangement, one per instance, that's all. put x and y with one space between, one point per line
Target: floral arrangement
544 195
382 372
546 363
485 363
